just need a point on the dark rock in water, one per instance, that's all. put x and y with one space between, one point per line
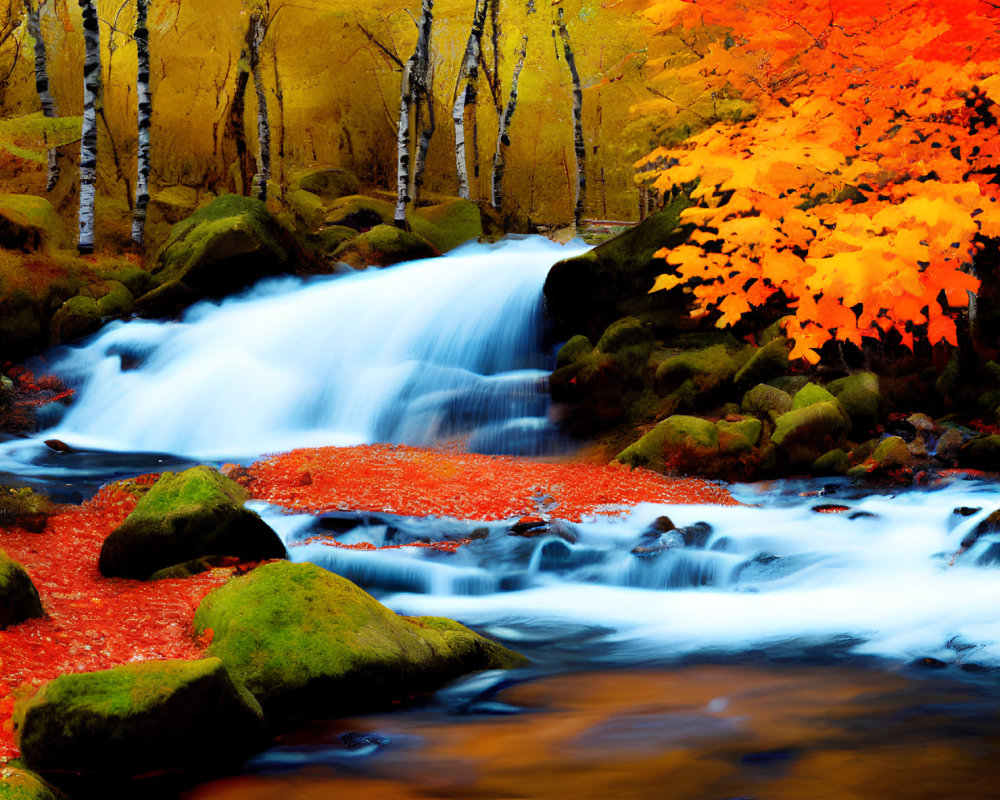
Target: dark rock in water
186 516
930 663
830 508
659 525
479 533
176 716
19 600
57 445
989 525
532 526
696 535
756 568
965 511
307 641
862 515
664 541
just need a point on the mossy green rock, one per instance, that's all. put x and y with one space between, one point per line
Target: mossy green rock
804 434
28 222
629 343
809 394
766 402
765 363
359 212
20 784
677 432
308 209
19 600
576 348
891 453
384 245
176 203
329 239
304 640
328 183
153 715
447 225
833 462
982 452
859 395
587 293
84 314
22 507
708 371
186 516
225 246
738 438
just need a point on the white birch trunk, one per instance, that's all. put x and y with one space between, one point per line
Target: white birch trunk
414 87
403 149
256 39
579 145
88 138
48 102
465 93
503 135
145 102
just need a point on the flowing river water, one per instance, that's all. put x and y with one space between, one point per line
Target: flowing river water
770 650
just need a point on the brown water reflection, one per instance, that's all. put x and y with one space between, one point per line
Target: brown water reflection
694 732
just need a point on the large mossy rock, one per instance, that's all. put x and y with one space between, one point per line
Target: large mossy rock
20 784
766 402
384 245
326 183
805 433
859 395
677 434
19 600
359 212
28 222
587 293
84 314
221 248
447 225
186 516
304 640
174 204
21 507
765 363
186 716
696 378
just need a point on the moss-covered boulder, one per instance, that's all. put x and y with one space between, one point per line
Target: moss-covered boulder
765 363
447 225
739 437
576 348
629 343
173 204
20 784
327 183
304 640
809 394
833 462
859 395
981 452
384 245
28 222
359 212
221 248
766 402
891 453
186 516
329 239
85 313
176 716
678 435
308 209
587 293
21 507
804 434
696 378
19 600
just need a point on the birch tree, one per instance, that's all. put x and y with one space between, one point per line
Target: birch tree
88 137
145 113
255 38
578 143
465 93
413 91
503 134
49 108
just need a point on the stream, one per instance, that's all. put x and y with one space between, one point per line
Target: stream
822 640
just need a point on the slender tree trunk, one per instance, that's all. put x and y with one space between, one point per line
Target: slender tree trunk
423 138
578 143
465 93
48 102
145 102
88 138
414 88
235 125
279 95
503 136
255 38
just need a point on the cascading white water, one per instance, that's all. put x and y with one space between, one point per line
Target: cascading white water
889 577
443 348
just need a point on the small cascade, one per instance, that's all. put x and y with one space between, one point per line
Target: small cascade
450 348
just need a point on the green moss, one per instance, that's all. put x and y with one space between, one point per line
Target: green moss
766 402
137 281
152 715
302 638
24 508
708 370
19 600
677 432
859 395
737 438
805 433
629 343
384 245
447 225
307 207
329 239
809 394
20 784
833 462
359 212
766 363
576 348
28 222
891 453
186 516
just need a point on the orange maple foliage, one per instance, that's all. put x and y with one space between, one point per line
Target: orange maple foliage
862 186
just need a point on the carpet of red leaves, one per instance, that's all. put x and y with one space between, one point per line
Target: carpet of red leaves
95 623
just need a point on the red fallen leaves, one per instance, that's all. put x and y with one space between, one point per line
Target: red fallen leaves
409 481
93 622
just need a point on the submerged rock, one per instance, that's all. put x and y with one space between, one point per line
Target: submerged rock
184 716
183 517
304 640
19 600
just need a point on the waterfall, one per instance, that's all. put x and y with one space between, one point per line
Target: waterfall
446 348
